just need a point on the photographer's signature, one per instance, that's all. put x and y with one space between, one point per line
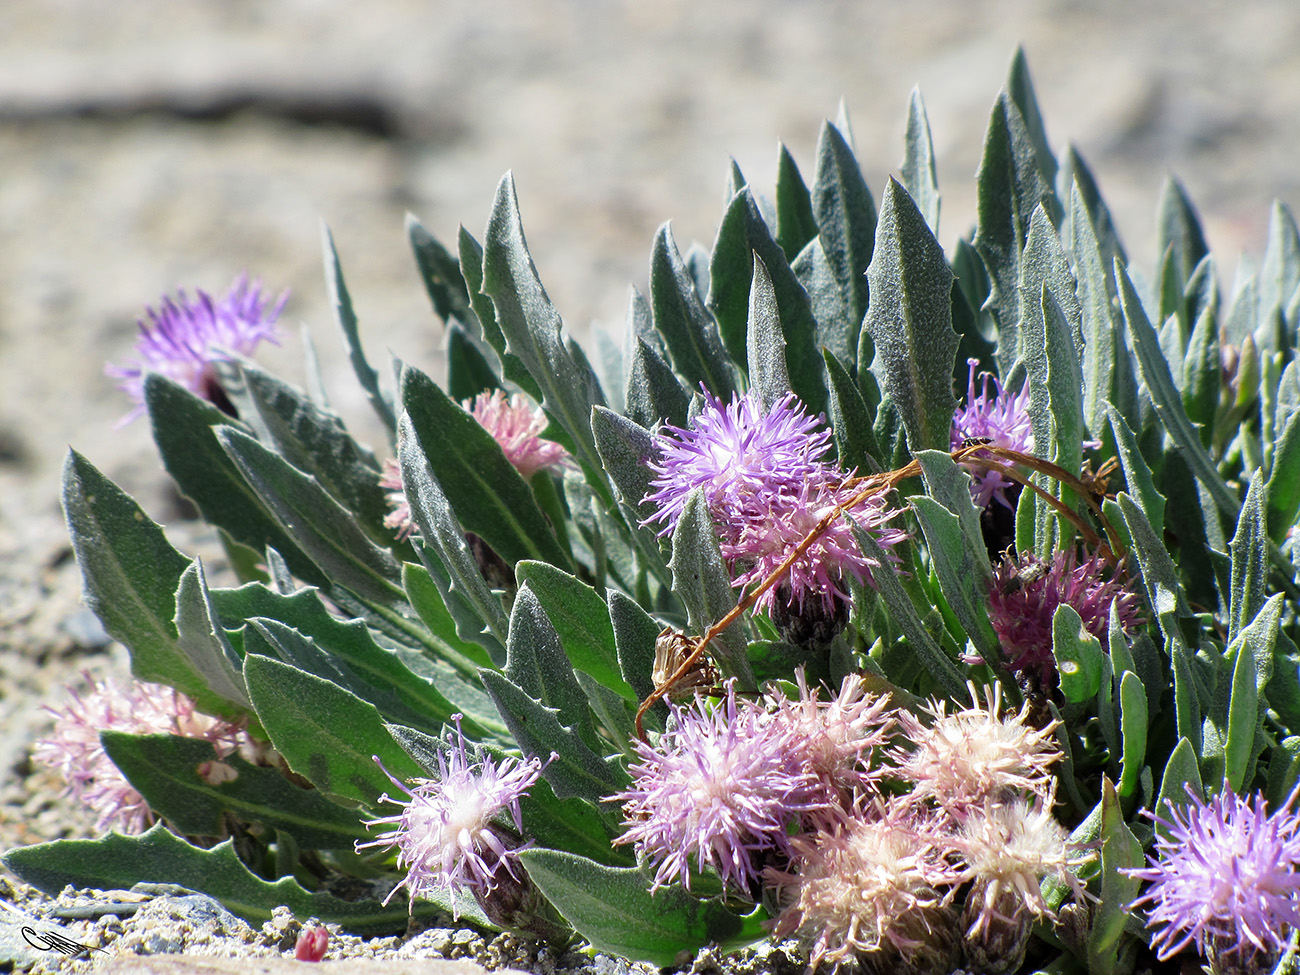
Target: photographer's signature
53 941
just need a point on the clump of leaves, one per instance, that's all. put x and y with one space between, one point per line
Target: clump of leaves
771 510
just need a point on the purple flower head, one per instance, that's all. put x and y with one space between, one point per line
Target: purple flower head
448 835
720 788
776 527
73 748
399 519
1000 417
1026 593
740 456
183 338
516 428
1226 878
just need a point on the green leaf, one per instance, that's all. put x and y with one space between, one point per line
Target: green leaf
131 575
765 345
635 632
795 225
855 443
581 620
1159 574
118 862
468 370
837 333
1075 174
1180 771
443 534
700 580
688 329
471 266
1079 660
1167 400
183 431
910 321
531 326
322 527
1179 233
200 635
654 394
918 169
427 601
1010 186
326 734
1249 551
1203 375
487 493
1021 89
613 910
846 218
576 770
1284 481
169 771
341 301
1243 721
1133 731
1137 476
1120 850
440 272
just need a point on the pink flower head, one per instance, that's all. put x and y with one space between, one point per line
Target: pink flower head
1001 418
449 835
516 428
722 788
1026 593
779 523
1226 878
399 519
739 455
183 338
73 748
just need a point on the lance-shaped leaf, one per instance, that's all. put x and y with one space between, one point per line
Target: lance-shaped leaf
1249 551
765 345
321 527
471 266
1133 731
341 301
635 632
918 169
680 317
701 582
131 575
614 911
654 394
1181 771
440 531
910 321
1120 851
118 862
855 442
624 449
1179 233
468 370
200 634
440 272
1010 186
1243 720
846 217
795 224
485 490
1284 480
177 778
837 333
1079 660
531 325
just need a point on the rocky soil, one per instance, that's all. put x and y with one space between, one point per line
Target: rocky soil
147 145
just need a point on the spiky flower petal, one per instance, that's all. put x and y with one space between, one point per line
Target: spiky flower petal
453 832
399 519
1225 878
1025 595
73 748
739 455
963 759
867 885
184 337
516 427
1000 417
721 788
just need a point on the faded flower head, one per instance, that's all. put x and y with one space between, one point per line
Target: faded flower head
399 519
999 417
516 428
184 337
73 748
449 834
963 759
871 883
836 738
1226 878
720 788
779 523
1026 593
739 455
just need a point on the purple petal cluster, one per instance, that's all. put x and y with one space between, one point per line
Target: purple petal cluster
183 337
516 428
1225 878
1026 593
767 487
721 788
399 519
999 417
449 834
73 748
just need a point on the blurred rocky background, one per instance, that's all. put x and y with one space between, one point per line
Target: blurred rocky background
148 145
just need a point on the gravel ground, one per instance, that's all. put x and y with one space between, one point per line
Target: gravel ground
149 145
